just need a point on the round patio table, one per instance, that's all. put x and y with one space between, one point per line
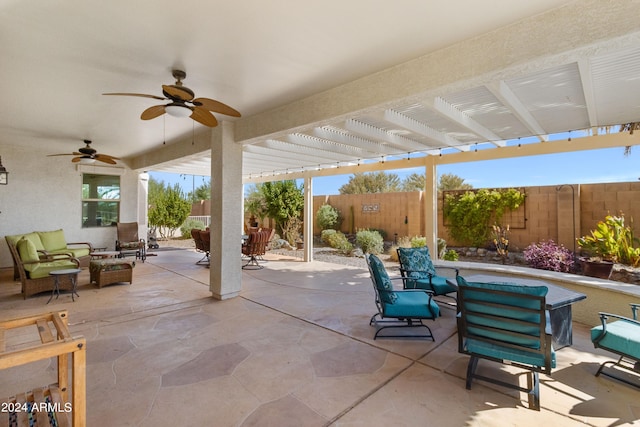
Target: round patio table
73 276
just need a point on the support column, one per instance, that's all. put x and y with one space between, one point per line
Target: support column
225 270
431 206
308 219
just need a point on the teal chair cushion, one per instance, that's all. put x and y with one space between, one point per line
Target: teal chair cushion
438 284
382 280
622 336
412 305
500 318
507 353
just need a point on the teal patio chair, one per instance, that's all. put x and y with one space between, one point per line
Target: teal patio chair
407 307
418 271
622 337
505 323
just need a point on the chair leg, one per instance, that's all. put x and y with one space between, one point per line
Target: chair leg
533 385
252 264
471 370
405 323
634 367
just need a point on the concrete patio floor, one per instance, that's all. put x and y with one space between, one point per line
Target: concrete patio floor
295 349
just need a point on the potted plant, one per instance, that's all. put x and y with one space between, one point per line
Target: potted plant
610 242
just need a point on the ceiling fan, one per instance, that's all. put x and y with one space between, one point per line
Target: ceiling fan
87 154
183 103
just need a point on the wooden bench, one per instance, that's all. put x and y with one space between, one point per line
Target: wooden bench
45 406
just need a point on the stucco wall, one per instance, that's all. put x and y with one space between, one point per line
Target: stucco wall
44 193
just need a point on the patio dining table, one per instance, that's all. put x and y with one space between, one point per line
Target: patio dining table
558 300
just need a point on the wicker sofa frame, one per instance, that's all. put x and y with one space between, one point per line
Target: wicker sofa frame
43 284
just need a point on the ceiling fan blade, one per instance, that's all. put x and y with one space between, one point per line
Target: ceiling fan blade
75 153
178 92
201 115
152 112
77 159
105 156
216 106
136 94
103 159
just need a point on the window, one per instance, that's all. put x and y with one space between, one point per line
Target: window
100 200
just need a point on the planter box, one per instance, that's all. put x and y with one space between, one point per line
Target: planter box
599 269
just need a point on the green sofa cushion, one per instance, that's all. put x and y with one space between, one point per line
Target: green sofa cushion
44 268
53 240
33 237
75 252
27 251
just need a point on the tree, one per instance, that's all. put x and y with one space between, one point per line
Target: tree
254 202
414 182
203 192
169 209
373 182
449 181
284 202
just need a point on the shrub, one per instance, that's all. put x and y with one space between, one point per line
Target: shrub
450 255
325 235
418 242
549 256
370 241
339 241
188 225
327 217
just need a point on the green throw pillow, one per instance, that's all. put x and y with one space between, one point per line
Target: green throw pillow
27 250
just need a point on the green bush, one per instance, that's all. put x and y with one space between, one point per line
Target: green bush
339 241
327 217
370 241
450 255
188 225
418 242
325 235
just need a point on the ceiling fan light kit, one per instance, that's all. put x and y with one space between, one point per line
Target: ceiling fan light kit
183 103
177 110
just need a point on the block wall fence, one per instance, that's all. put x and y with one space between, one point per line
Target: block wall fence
560 213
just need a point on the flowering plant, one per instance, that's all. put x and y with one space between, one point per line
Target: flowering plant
549 256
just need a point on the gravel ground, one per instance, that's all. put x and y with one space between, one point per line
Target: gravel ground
323 254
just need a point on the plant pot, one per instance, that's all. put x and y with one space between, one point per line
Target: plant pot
599 269
299 245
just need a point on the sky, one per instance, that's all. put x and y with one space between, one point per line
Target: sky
583 167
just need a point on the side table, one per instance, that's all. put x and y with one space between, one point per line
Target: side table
72 273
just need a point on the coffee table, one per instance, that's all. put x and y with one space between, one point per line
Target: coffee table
73 276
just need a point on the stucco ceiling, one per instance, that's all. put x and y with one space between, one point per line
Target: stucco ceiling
408 78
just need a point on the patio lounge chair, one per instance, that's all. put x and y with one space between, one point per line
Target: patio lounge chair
505 323
128 241
418 271
408 307
200 244
622 337
255 247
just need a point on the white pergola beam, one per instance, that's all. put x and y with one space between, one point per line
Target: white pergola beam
451 112
503 92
